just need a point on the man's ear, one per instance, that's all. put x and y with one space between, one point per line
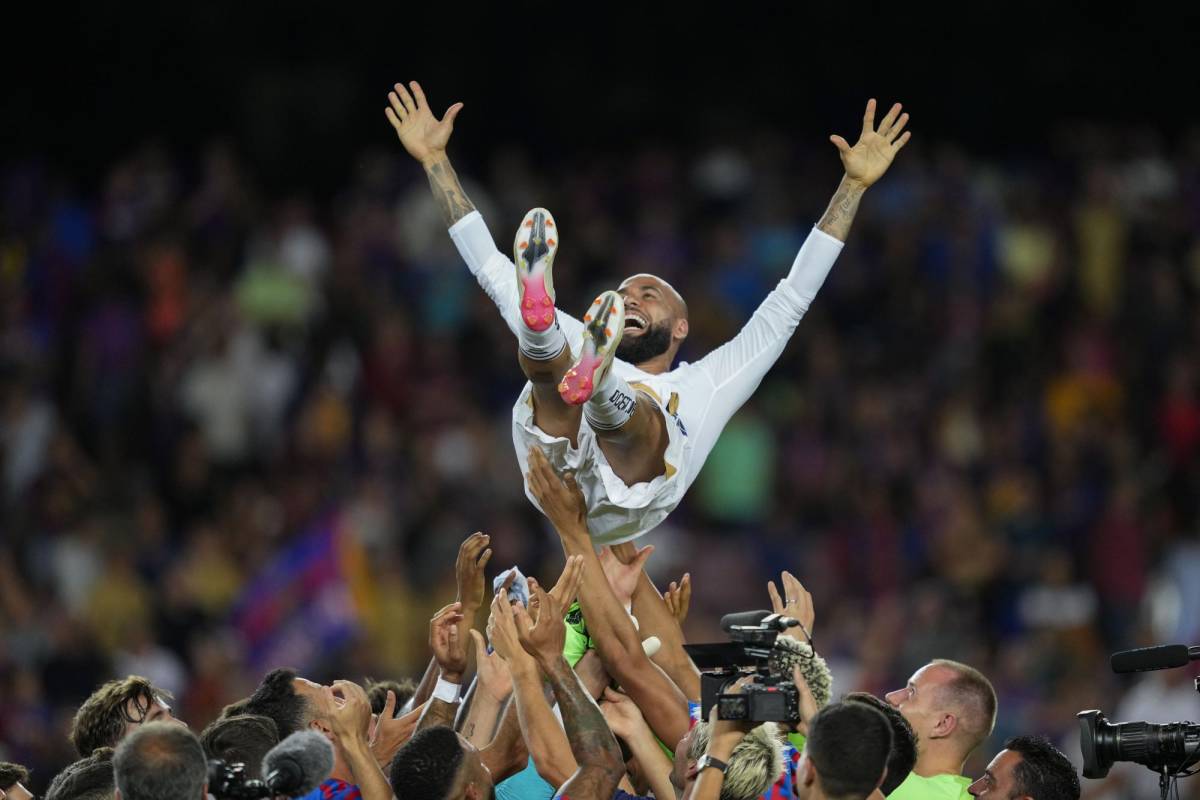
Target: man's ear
679 330
808 773
320 727
946 725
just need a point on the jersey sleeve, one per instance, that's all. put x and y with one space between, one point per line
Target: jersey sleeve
496 273
736 368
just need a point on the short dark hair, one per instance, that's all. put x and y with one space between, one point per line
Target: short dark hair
101 720
377 693
904 740
160 761
426 766
241 739
276 698
88 778
849 745
1044 772
12 774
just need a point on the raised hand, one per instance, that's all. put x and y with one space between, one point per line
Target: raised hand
543 633
449 647
622 564
494 677
567 588
391 732
679 597
622 714
560 498
872 154
473 556
502 631
423 135
796 603
346 707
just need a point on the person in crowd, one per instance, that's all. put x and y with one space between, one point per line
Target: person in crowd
240 739
1028 768
952 710
115 710
904 742
13 778
160 761
89 778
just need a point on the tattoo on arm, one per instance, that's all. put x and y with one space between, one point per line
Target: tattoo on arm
448 192
592 743
842 209
437 713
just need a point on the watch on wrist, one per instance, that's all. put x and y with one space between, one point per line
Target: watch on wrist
707 761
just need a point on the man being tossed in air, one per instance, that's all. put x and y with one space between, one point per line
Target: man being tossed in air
602 399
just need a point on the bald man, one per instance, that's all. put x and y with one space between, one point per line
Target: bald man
603 401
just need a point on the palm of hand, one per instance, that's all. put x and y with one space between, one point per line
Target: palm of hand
494 676
422 133
623 578
870 157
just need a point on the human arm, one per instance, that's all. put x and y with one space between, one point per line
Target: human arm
617 641
544 736
489 694
592 743
346 708
796 603
425 137
450 652
655 618
627 722
391 732
736 368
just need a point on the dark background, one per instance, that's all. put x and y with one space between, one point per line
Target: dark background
300 86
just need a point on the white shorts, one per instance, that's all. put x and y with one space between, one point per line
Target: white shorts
616 512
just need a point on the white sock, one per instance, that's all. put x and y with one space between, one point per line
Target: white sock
611 405
541 345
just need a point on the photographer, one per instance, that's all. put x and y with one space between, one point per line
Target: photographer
240 739
1028 767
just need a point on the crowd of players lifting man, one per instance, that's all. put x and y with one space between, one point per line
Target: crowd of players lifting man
585 690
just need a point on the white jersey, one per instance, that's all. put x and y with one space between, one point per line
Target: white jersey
696 399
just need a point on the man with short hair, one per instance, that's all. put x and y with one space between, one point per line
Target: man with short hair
241 739
1028 768
748 762
904 742
161 761
846 753
952 709
12 776
89 778
117 708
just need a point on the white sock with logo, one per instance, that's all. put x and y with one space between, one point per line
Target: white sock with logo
541 345
611 405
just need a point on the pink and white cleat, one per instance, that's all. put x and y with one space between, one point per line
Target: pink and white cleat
533 253
604 323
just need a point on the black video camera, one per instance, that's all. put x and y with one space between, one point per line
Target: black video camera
230 782
1171 749
754 650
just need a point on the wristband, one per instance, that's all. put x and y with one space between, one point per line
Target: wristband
446 691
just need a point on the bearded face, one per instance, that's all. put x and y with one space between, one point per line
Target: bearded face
654 341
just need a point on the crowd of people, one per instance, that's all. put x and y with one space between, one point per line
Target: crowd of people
238 433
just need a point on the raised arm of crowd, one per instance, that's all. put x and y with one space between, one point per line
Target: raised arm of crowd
582 691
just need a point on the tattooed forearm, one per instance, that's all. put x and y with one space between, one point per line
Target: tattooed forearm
437 713
592 743
842 209
447 191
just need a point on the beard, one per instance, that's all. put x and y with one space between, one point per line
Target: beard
654 341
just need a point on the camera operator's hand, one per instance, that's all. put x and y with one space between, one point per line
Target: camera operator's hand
726 733
796 603
808 703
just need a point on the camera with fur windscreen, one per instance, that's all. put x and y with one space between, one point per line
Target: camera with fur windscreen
756 649
292 768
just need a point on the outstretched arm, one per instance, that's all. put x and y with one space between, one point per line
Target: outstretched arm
617 641
736 368
425 137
